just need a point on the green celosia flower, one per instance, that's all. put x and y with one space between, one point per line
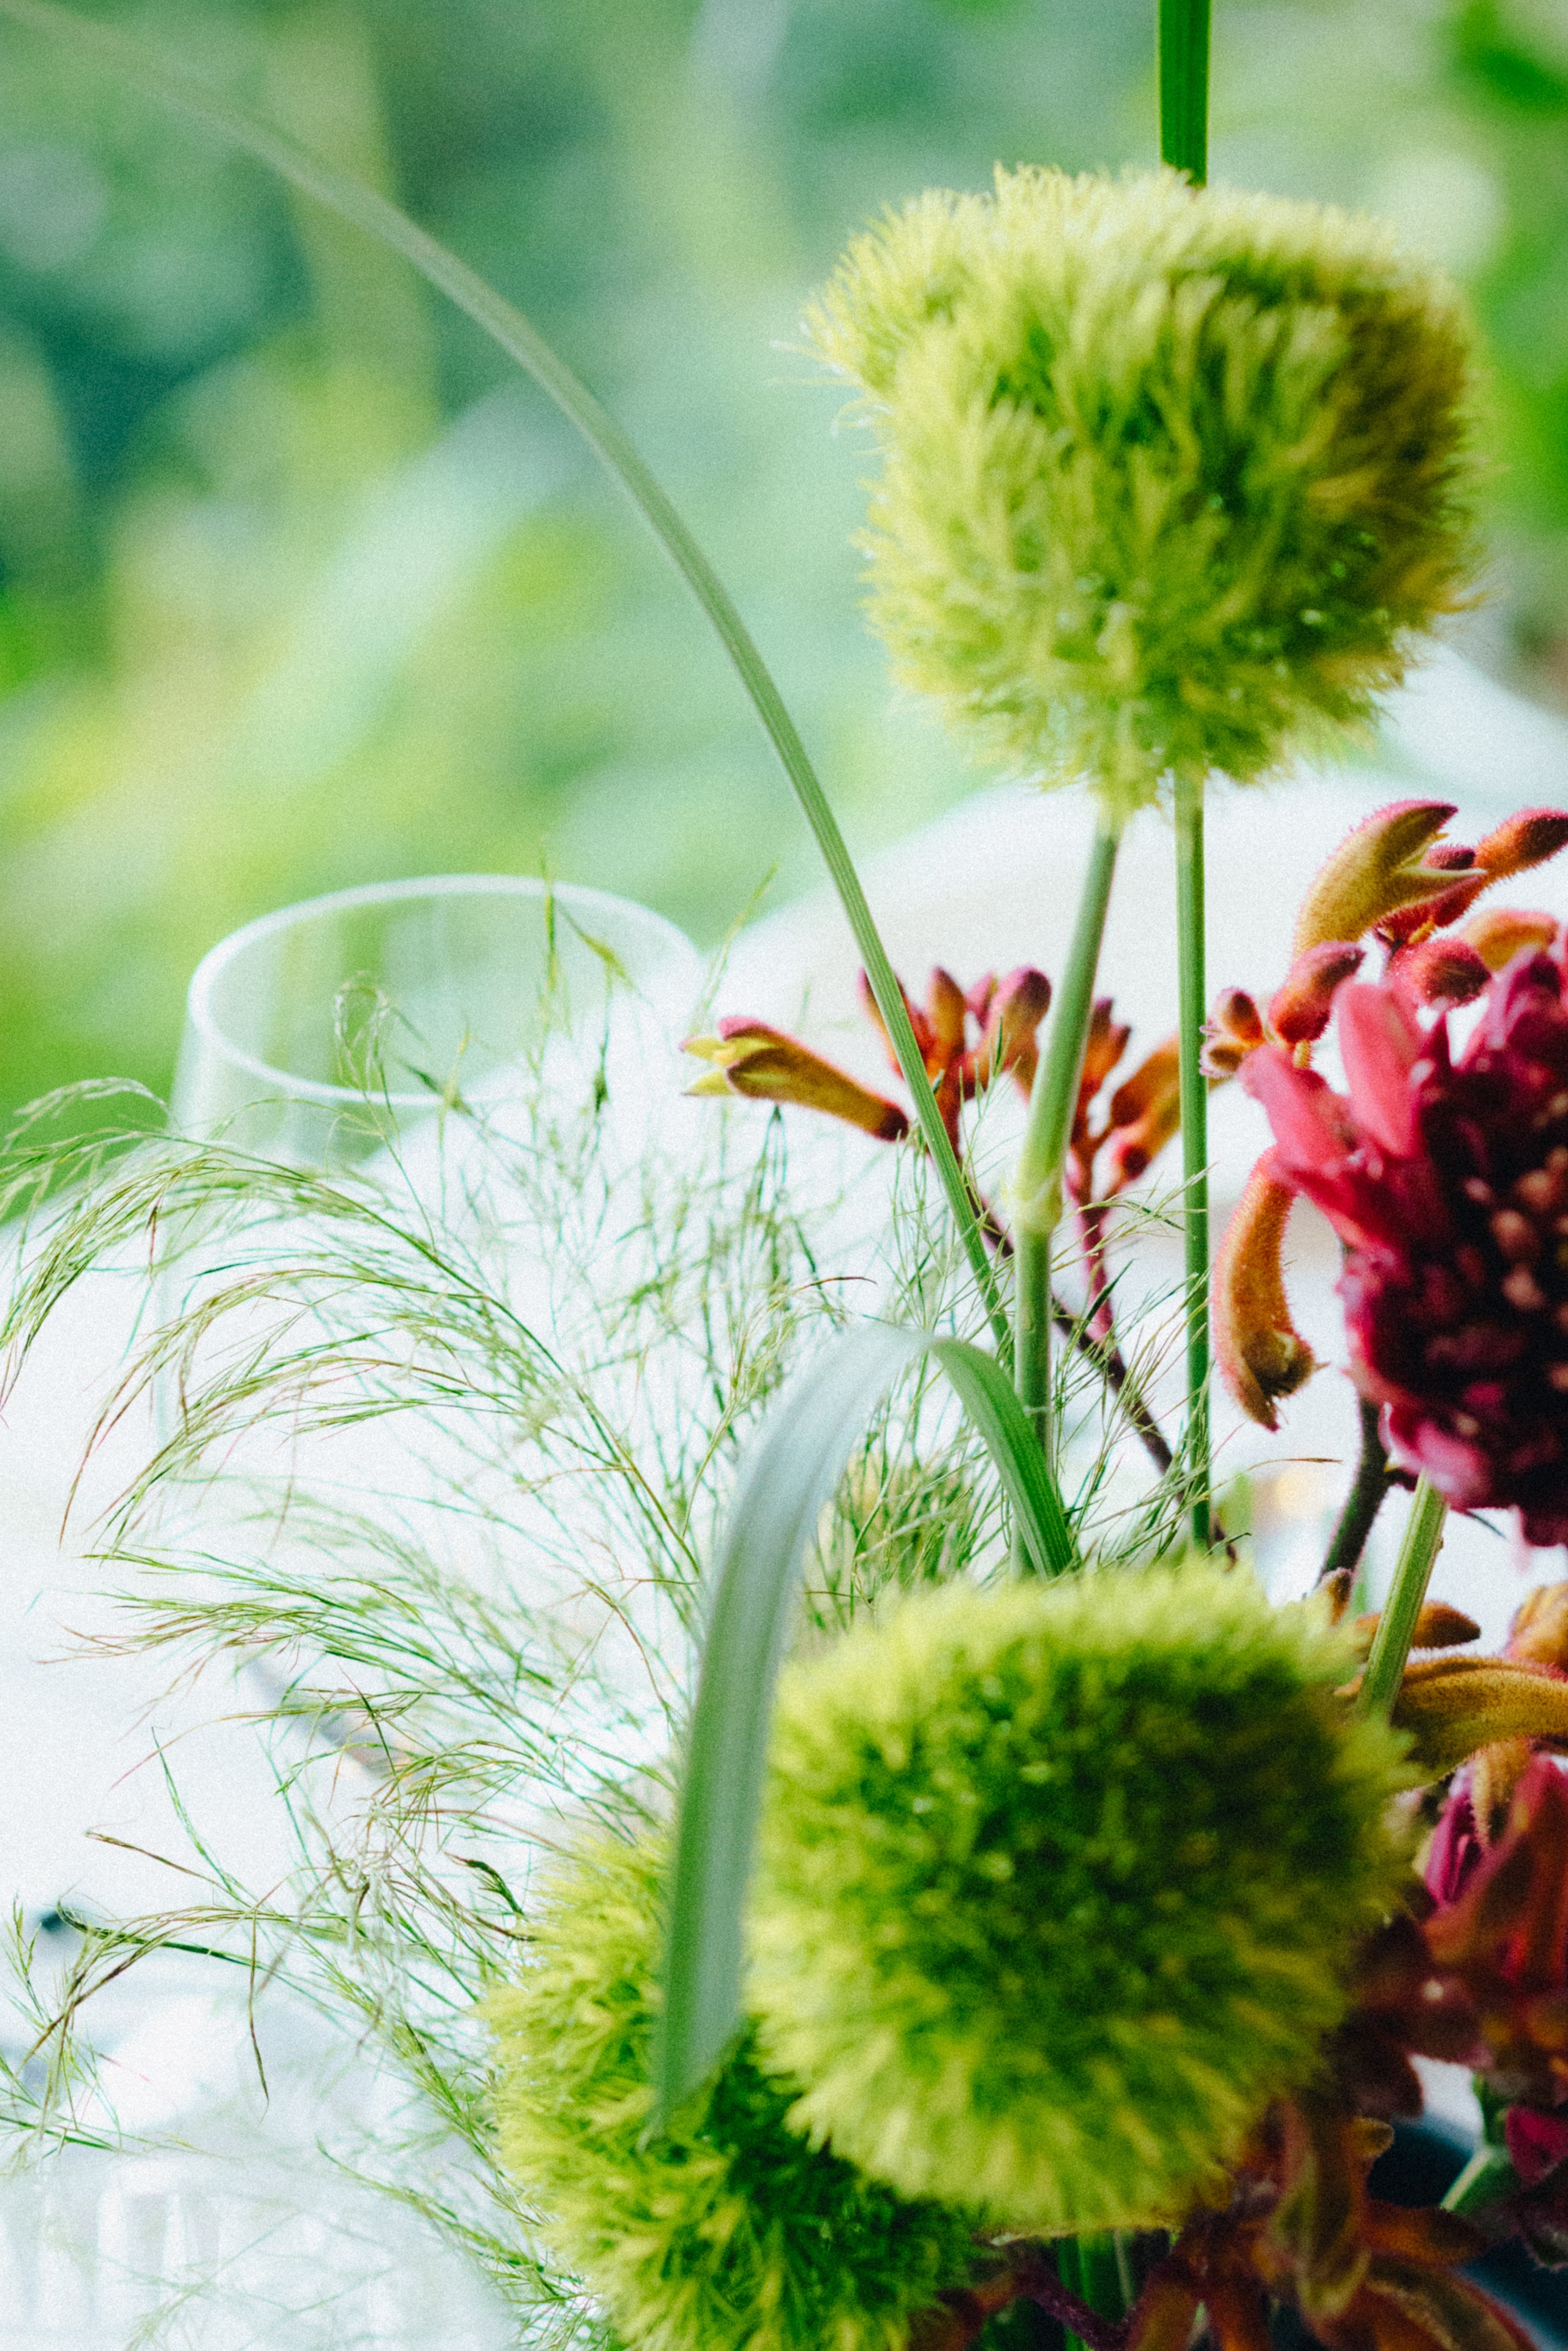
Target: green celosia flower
1171 475
728 2231
1058 1881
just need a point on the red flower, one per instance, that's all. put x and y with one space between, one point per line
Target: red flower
1447 1182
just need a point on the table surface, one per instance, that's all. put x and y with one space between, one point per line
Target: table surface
988 886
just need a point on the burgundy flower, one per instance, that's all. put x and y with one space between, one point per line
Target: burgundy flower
1447 1182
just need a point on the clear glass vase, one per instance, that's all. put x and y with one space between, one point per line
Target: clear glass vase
315 1033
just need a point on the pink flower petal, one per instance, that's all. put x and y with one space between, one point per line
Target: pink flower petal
1380 1045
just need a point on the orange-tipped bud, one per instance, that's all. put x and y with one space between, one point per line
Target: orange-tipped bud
1233 1029
1299 1011
1261 1353
1146 1111
1437 1626
1375 870
762 1064
1500 932
1014 1011
1526 839
1442 970
917 1022
947 1011
1104 1048
1538 1632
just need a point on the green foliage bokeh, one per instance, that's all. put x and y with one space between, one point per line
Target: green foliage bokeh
278 613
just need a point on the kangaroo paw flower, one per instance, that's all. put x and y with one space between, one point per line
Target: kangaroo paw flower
1300 1012
1500 932
762 1064
1375 870
1447 1182
1262 1355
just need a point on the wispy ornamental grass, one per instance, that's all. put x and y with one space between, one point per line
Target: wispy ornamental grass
438 1453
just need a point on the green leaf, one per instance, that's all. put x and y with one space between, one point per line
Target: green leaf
786 1482
352 200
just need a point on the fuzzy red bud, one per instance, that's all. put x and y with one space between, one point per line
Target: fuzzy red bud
1233 1029
1526 839
1017 1006
1299 1011
1262 1355
1442 971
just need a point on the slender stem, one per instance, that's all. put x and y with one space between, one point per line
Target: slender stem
1192 991
163 79
1098 1349
1487 2175
1183 86
1396 1624
1099 2274
1365 1499
1036 1191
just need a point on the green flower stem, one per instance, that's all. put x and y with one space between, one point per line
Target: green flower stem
1183 86
1396 1624
1487 2175
1184 143
1035 1190
343 194
1192 991
1100 2267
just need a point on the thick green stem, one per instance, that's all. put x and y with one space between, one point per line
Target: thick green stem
1192 990
1183 142
171 84
1396 1624
1036 1192
1183 86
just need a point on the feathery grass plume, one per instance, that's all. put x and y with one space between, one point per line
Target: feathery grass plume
728 2233
1172 476
1057 1884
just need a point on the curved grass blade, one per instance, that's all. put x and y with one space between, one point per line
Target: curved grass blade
787 1481
160 78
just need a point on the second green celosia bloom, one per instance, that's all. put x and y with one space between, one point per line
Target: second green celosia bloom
1057 1884
728 2230
1172 476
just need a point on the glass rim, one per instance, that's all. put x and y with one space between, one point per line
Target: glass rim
200 1017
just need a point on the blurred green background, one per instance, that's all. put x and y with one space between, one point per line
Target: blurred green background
301 586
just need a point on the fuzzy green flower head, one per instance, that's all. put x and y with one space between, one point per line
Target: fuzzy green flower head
1172 477
1058 1882
728 2233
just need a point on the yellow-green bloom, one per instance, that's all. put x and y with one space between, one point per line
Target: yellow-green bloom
1172 477
728 2231
1057 1884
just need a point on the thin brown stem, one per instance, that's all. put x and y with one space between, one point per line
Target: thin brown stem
1368 1491
1040 2284
1112 1366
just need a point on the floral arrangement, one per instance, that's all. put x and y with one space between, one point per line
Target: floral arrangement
1014 1927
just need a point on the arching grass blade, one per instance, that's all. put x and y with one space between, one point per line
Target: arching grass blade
789 1478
